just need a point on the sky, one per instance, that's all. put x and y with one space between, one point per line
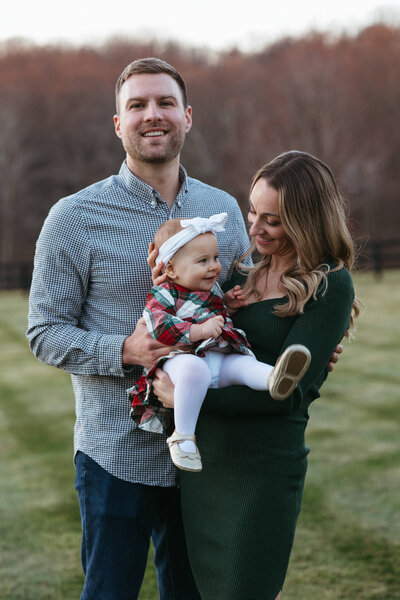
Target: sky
214 24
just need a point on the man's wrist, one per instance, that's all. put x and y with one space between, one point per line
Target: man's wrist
127 360
110 355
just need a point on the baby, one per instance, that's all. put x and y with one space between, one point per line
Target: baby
188 313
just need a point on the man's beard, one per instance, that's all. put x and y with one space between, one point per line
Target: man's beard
136 150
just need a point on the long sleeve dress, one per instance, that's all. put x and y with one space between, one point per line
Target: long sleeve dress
240 512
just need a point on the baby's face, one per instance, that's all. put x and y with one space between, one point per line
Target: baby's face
196 265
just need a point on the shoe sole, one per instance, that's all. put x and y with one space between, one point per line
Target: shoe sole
293 367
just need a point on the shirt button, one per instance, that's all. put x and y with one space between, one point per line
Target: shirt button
153 203
112 370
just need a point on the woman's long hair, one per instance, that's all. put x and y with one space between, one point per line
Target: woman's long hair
313 215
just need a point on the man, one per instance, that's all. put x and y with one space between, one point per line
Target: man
88 291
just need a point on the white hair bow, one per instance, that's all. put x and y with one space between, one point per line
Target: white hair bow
191 229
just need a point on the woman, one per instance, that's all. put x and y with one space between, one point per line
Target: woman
240 512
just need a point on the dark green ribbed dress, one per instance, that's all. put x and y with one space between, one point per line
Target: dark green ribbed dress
240 512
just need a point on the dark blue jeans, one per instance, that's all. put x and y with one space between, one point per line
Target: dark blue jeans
118 520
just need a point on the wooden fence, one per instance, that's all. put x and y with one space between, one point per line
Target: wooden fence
378 256
16 276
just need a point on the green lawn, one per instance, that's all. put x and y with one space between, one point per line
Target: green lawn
348 539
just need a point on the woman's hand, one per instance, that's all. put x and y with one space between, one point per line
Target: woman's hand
335 357
157 275
235 299
163 388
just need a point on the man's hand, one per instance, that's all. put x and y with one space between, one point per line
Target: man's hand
335 357
163 388
141 349
234 299
157 275
210 328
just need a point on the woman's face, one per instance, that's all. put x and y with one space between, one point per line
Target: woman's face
266 227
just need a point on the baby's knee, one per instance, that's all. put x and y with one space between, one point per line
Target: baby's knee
188 369
197 369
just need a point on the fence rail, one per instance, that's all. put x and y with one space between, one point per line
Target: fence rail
16 276
378 256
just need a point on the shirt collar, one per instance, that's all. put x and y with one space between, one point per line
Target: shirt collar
146 192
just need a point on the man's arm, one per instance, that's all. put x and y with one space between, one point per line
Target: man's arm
58 294
58 298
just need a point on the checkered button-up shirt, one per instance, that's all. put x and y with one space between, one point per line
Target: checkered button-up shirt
89 288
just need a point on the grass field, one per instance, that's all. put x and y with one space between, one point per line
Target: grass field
348 539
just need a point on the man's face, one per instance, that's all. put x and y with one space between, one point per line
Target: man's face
152 121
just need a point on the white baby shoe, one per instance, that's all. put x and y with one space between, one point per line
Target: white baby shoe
187 461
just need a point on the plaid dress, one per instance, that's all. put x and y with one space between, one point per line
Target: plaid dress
170 312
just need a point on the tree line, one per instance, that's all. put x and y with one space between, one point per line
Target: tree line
336 97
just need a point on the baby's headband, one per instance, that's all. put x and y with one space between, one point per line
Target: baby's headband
192 228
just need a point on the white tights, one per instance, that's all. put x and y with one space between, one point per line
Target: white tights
192 377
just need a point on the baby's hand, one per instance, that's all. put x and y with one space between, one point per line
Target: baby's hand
212 328
203 331
235 299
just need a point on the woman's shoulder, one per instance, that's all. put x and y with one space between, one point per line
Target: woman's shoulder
338 274
338 282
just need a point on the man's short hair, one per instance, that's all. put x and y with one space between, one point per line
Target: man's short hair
153 66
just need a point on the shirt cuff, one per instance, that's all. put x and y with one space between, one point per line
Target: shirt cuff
110 355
